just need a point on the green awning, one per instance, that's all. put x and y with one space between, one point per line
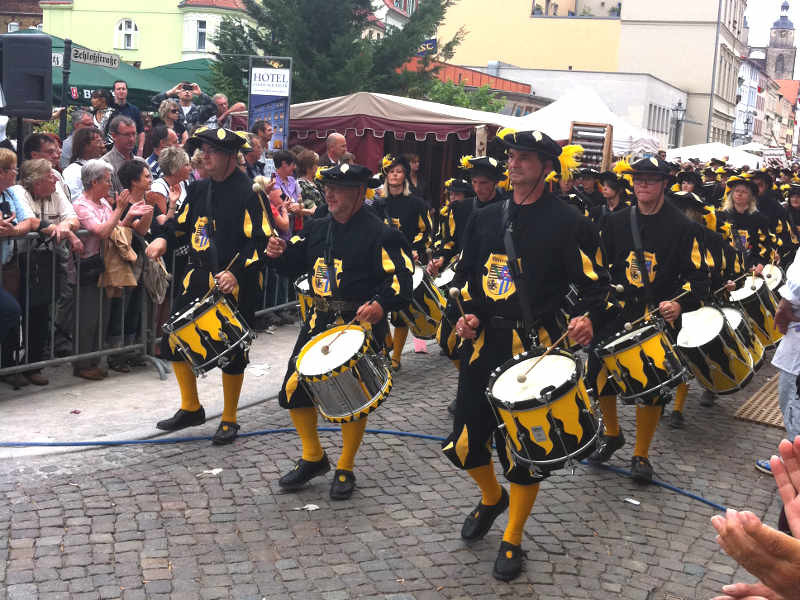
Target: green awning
142 84
197 71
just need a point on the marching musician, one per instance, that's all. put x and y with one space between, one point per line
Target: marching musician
743 224
409 215
769 206
671 247
556 247
586 184
224 224
613 190
724 266
357 267
453 218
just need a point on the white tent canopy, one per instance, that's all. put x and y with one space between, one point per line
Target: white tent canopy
583 104
705 152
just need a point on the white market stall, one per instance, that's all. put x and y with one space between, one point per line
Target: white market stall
583 104
705 152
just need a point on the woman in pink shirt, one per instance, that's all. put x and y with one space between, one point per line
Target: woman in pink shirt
98 217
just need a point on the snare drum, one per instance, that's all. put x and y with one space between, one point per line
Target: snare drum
208 333
444 278
773 276
642 362
759 306
715 354
547 419
741 326
422 316
304 298
350 380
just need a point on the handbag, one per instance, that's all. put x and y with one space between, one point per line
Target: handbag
90 270
155 279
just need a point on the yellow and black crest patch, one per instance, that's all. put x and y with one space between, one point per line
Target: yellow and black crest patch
320 281
498 284
634 273
741 239
200 237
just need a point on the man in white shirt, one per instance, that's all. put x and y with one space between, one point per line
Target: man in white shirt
787 356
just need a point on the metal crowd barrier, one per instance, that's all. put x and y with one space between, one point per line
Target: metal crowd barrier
146 338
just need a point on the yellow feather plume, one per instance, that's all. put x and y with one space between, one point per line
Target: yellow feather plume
501 133
387 160
505 183
449 182
623 168
570 159
370 194
553 176
465 162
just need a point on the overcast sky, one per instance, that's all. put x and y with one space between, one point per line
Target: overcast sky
761 14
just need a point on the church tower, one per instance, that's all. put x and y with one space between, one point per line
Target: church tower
781 51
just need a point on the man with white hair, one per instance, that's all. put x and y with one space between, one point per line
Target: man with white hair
336 145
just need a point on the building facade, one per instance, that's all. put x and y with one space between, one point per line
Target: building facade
394 13
19 14
146 33
779 56
637 36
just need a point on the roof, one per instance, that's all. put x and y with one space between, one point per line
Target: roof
789 89
391 6
471 77
220 4
375 21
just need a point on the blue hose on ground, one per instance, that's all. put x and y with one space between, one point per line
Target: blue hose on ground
422 436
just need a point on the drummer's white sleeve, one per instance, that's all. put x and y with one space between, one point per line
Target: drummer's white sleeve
791 289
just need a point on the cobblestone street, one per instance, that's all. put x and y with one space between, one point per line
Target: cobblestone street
146 521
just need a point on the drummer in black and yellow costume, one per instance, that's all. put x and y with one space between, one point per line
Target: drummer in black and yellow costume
222 218
673 253
486 174
556 247
769 205
740 221
724 266
409 215
615 197
453 218
372 264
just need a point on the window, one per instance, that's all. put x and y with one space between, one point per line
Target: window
779 65
127 35
201 35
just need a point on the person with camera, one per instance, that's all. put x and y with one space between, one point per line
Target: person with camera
195 106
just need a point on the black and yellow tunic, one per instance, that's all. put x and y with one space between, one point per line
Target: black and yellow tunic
409 215
371 262
785 238
556 247
453 220
722 260
219 219
672 246
749 234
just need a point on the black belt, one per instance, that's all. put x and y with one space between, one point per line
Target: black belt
325 305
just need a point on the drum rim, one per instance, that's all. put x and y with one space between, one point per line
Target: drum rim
633 341
341 368
211 301
548 398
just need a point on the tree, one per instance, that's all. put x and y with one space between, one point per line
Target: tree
331 57
447 92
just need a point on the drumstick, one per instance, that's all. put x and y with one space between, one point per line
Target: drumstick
722 289
524 376
617 287
629 325
455 294
327 347
235 256
753 281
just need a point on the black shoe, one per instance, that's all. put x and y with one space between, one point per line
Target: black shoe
676 420
303 472
480 520
606 446
182 419
509 562
226 433
118 364
343 484
707 399
641 470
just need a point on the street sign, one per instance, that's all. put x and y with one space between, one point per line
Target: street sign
92 57
57 59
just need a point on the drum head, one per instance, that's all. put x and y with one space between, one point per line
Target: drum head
553 371
301 285
746 291
314 362
444 278
700 327
416 278
636 334
733 317
773 275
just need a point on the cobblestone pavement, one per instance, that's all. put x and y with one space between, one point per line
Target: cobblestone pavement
147 522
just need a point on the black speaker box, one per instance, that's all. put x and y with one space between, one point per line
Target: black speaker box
26 75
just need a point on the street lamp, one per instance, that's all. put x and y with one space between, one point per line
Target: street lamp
678 116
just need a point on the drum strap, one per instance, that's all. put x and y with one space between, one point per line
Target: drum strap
329 264
637 247
212 225
520 280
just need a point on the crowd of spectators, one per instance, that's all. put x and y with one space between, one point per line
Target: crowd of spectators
119 176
